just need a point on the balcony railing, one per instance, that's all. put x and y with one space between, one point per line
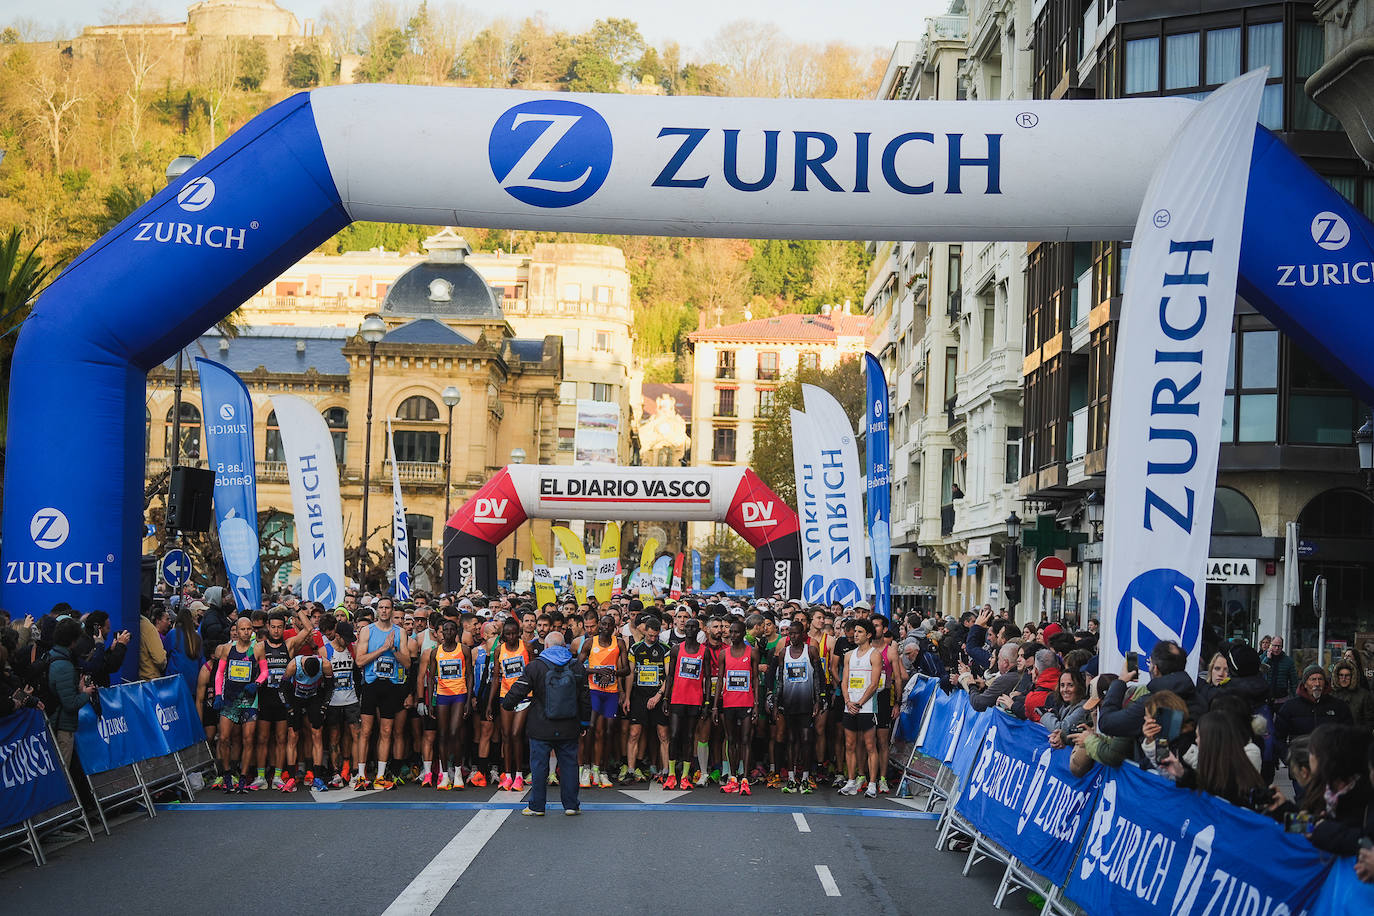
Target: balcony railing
417 471
726 372
272 470
767 375
723 456
726 411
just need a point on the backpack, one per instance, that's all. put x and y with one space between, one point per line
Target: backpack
41 675
560 693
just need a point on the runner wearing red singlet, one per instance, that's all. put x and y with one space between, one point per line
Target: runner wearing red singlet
689 691
738 704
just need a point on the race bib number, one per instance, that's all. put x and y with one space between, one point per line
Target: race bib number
795 672
689 668
240 670
385 666
646 677
737 681
857 682
276 670
512 667
451 669
603 676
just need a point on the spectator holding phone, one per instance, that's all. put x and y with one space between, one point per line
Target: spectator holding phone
1340 799
1065 711
1167 730
1219 764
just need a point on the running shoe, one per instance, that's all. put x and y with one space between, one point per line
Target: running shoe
584 777
289 785
530 812
231 784
774 780
493 776
605 781
344 773
744 787
838 781
810 784
444 785
258 784
882 786
731 786
806 787
217 783
364 784
790 787
384 783
426 780
337 782
518 784
241 786
505 782
850 788
701 778
318 785
624 772
553 776
670 783
457 783
685 785
475 778
872 790
278 782
638 775
715 776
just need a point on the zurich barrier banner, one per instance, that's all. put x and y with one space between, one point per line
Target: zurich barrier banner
228 418
841 497
879 504
31 777
914 708
1342 893
1021 794
1155 848
314 477
806 462
400 540
945 725
137 721
1170 381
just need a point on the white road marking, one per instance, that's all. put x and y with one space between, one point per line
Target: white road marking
802 825
424 894
827 881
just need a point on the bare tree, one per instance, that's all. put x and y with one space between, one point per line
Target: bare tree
754 54
142 54
217 70
54 92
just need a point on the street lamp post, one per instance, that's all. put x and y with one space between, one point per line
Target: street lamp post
450 396
1011 574
1364 445
372 330
517 456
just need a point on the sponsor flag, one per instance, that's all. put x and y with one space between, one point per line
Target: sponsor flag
646 567
609 562
577 561
543 579
399 540
806 460
228 418
1169 382
675 590
30 767
840 488
696 571
879 505
314 480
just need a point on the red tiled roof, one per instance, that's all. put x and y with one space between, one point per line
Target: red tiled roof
790 328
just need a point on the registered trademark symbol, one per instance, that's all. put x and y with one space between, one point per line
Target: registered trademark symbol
1161 218
109 558
1027 119
253 224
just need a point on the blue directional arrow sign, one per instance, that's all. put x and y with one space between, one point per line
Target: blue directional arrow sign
176 568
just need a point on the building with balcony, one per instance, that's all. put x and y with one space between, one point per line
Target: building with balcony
445 327
737 367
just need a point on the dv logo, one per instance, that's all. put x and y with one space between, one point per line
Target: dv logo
1330 231
226 411
758 514
490 511
49 528
321 589
1158 605
550 152
198 194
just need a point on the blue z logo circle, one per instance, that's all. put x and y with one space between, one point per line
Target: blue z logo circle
550 153
321 589
1158 605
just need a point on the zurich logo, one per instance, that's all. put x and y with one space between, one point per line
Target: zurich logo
550 152
845 591
49 529
813 589
1329 231
1158 605
321 589
196 195
226 411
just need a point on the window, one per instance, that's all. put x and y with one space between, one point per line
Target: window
416 408
725 364
336 418
955 281
1142 65
567 392
421 527
1264 47
723 447
809 361
572 292
946 476
1311 52
1181 56
1013 468
602 391
725 402
417 445
605 295
766 398
1250 411
768 366
190 431
1320 410
951 377
989 329
565 439
1223 55
272 447
603 340
1234 515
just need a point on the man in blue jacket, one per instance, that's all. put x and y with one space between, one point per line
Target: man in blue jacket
72 692
559 715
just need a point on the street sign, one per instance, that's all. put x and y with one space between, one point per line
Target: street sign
1051 572
176 568
1306 548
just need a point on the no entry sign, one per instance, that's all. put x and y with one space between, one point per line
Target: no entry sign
1051 572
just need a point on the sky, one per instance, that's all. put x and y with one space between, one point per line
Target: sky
692 23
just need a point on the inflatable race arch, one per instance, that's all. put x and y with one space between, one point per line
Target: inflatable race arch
305 168
735 496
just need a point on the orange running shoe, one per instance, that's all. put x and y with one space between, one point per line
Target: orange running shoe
744 787
475 778
670 783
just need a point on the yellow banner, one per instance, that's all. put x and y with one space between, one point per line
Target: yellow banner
646 567
543 579
577 560
605 568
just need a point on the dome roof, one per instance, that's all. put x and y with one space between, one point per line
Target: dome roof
444 290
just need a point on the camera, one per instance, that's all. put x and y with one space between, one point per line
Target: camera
1300 822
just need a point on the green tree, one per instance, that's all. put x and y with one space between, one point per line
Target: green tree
772 457
300 70
252 69
594 73
735 556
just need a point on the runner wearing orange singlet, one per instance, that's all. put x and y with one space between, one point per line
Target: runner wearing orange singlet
607 662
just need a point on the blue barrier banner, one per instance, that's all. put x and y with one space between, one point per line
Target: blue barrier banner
946 723
1021 794
125 731
970 740
229 441
31 777
914 708
174 709
1342 893
1155 848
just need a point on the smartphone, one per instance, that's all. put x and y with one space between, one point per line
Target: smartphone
1170 723
1132 661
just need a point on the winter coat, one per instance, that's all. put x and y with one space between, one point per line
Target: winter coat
63 678
1301 715
1126 721
531 684
1361 703
1031 705
1281 675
